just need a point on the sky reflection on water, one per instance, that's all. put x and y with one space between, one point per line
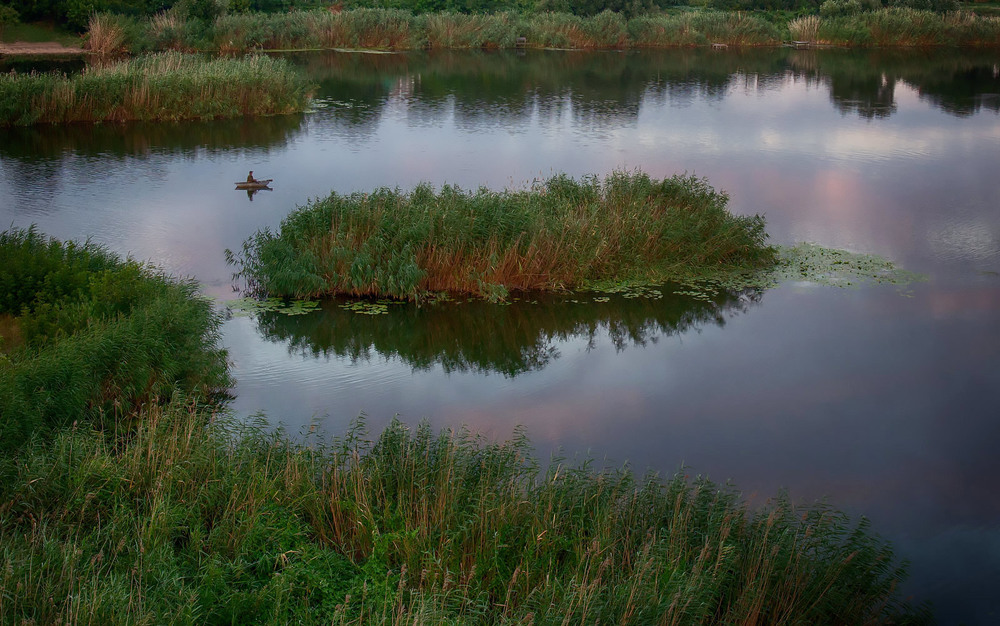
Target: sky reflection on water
884 404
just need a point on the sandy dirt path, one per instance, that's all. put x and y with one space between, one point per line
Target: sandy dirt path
44 47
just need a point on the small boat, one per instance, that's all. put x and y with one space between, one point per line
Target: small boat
257 184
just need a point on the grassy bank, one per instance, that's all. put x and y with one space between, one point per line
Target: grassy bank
187 524
559 234
394 29
86 337
167 86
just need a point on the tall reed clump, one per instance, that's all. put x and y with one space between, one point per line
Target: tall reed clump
377 29
561 233
240 32
805 28
170 30
105 35
165 86
903 27
187 523
97 337
457 30
563 30
664 31
736 28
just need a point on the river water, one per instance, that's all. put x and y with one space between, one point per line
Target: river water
883 401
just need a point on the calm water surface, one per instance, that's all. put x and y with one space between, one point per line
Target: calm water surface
884 403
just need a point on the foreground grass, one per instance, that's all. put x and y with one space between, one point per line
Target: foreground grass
180 522
167 86
86 337
560 234
393 29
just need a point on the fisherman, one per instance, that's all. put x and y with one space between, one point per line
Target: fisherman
250 178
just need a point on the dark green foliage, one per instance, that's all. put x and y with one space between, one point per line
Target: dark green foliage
938 6
74 14
101 337
628 8
562 233
8 17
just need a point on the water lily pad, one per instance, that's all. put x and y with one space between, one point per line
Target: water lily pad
251 306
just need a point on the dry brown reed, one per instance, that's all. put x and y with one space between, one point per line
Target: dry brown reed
104 35
805 28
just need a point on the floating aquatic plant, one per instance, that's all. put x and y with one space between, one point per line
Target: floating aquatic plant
250 306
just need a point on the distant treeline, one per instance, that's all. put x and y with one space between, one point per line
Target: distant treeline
75 14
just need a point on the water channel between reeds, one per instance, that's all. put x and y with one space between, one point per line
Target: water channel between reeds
882 401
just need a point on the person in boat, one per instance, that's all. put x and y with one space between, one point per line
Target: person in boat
250 178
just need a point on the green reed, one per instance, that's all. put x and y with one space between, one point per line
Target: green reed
559 234
166 86
187 523
903 27
92 337
395 29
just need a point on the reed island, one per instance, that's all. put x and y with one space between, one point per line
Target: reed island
561 233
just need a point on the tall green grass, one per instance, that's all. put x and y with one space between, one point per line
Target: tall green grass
562 233
166 86
903 27
93 338
183 523
395 29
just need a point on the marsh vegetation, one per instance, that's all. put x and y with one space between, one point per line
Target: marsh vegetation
116 508
165 86
397 29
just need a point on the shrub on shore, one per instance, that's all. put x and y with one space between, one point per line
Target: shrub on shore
92 337
561 233
166 86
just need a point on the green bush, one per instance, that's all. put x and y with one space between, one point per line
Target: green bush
102 337
9 16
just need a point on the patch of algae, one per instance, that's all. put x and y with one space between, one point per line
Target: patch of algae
251 306
809 263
